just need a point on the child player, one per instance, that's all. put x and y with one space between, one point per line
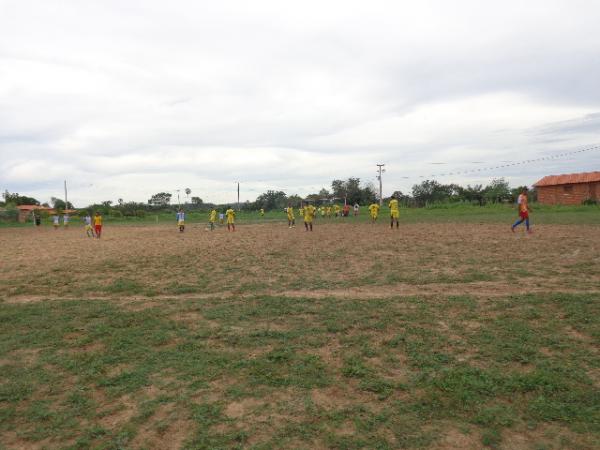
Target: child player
181 220
309 214
523 208
230 213
212 219
290 216
394 212
98 224
88 226
374 211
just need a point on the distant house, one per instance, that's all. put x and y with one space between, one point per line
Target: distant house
26 210
571 189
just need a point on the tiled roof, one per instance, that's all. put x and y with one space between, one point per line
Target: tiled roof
572 178
30 207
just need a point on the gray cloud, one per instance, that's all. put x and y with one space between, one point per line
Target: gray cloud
123 99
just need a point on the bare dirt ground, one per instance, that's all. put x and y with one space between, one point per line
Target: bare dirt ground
352 336
335 260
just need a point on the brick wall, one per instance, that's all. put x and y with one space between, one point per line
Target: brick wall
568 194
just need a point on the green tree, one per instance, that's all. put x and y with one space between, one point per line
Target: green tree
271 200
431 191
17 199
497 191
59 204
161 199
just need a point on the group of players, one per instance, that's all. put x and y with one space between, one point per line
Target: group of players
307 212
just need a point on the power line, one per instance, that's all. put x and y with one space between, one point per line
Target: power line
502 166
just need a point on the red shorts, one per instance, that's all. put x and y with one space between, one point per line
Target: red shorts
524 214
98 228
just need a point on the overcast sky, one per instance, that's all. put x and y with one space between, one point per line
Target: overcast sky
124 99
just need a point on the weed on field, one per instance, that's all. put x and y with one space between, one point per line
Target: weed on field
276 372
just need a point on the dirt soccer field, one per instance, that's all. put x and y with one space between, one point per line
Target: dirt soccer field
443 336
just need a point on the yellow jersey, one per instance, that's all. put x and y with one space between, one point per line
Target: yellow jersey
97 220
374 209
230 213
309 213
213 216
290 213
262 212
393 205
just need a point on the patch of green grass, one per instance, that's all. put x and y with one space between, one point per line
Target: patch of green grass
345 373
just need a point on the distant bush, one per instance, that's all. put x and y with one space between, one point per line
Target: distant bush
140 213
116 213
10 214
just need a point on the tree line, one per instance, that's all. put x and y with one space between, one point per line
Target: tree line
349 191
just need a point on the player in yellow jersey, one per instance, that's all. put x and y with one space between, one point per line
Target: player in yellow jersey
309 215
98 224
374 211
262 212
336 210
394 212
301 211
212 219
230 213
322 211
328 212
290 216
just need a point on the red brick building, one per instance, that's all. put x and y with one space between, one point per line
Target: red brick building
25 211
571 189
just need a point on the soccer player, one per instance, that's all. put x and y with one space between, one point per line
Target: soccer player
523 208
336 210
346 210
290 216
230 213
328 212
98 224
356 209
212 219
374 210
55 222
394 212
322 210
66 221
262 212
221 218
301 210
309 214
88 226
181 220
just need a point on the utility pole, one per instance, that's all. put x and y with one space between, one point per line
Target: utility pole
178 201
66 202
238 190
381 170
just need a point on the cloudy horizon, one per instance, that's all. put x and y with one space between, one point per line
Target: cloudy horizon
127 99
